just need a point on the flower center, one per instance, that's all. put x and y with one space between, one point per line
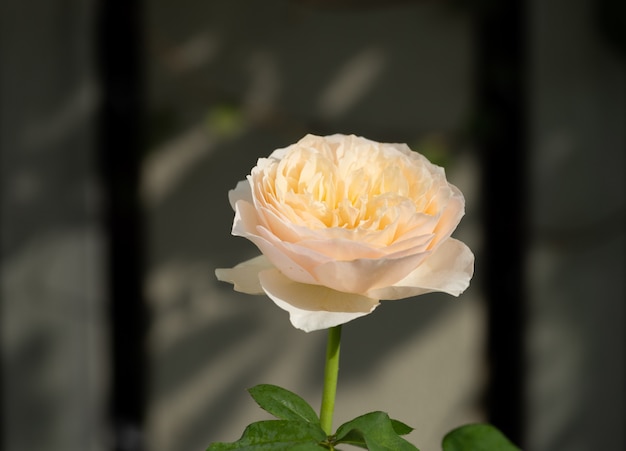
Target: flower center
364 189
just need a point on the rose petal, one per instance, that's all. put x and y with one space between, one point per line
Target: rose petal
246 220
245 225
242 191
364 275
353 276
449 269
313 307
451 216
245 276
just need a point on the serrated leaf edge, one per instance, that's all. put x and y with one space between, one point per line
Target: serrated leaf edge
313 419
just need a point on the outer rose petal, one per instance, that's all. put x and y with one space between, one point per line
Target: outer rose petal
449 269
451 216
245 276
245 225
242 191
364 275
307 265
314 307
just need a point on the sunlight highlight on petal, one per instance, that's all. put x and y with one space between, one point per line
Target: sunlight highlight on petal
313 307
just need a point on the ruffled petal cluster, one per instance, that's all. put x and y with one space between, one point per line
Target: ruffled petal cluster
343 222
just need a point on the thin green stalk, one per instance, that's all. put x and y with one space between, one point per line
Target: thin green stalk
330 379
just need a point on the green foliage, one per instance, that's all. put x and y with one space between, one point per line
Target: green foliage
298 429
283 404
277 435
400 427
477 437
375 431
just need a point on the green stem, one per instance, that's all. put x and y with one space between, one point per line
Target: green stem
330 379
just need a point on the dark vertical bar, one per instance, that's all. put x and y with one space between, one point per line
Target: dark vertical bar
502 138
120 61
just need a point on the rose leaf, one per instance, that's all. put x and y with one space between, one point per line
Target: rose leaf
283 404
375 431
400 427
477 437
277 435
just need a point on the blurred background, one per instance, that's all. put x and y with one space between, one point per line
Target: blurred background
123 124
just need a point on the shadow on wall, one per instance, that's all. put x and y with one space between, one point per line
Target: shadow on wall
232 88
230 81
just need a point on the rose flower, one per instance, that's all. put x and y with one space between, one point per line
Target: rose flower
343 222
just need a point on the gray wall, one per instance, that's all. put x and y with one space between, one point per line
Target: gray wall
577 262
235 80
229 81
53 323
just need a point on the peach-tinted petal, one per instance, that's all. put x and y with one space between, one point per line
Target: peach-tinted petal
245 225
449 270
241 192
313 307
312 253
361 276
246 220
306 265
342 249
451 216
281 260
412 245
245 276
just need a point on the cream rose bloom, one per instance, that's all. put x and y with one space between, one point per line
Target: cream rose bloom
343 222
